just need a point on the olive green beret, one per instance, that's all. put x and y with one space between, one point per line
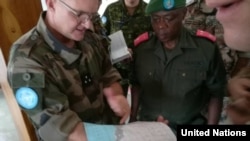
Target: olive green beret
164 5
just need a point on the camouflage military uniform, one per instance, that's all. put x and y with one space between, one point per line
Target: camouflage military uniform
229 56
100 30
68 82
118 18
195 18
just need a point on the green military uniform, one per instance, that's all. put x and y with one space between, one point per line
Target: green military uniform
116 17
58 87
178 84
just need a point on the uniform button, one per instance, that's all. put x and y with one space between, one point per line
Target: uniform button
183 74
33 37
26 76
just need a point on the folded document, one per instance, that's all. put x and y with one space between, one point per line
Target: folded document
119 50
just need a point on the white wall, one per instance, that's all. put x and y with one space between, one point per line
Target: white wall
105 3
44 5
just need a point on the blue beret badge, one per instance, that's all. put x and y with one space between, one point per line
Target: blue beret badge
168 4
26 97
104 19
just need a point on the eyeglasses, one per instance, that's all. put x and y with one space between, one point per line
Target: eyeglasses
81 16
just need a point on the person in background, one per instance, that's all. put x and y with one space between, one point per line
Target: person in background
179 74
61 75
235 19
128 16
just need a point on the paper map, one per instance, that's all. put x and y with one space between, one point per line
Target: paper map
136 131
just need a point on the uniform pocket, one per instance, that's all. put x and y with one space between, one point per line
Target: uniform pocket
91 87
189 79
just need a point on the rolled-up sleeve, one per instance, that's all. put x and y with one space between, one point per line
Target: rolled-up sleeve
59 126
110 74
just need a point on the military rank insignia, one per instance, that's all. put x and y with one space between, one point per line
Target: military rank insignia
205 34
141 38
87 79
27 98
168 4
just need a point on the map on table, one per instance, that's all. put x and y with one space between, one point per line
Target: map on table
135 131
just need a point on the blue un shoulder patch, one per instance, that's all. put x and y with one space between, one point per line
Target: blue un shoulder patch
104 19
27 98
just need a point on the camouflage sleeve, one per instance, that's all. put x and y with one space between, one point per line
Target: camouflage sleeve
244 72
42 101
111 74
210 24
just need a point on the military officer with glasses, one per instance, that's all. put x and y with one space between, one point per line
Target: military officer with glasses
62 76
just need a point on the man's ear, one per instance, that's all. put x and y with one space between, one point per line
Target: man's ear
50 4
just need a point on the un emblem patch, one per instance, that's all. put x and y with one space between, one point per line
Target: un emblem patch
168 4
104 19
27 98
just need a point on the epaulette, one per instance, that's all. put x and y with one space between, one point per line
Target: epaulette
205 34
32 40
142 38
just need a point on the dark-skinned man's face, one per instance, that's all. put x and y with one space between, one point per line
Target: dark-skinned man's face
167 24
